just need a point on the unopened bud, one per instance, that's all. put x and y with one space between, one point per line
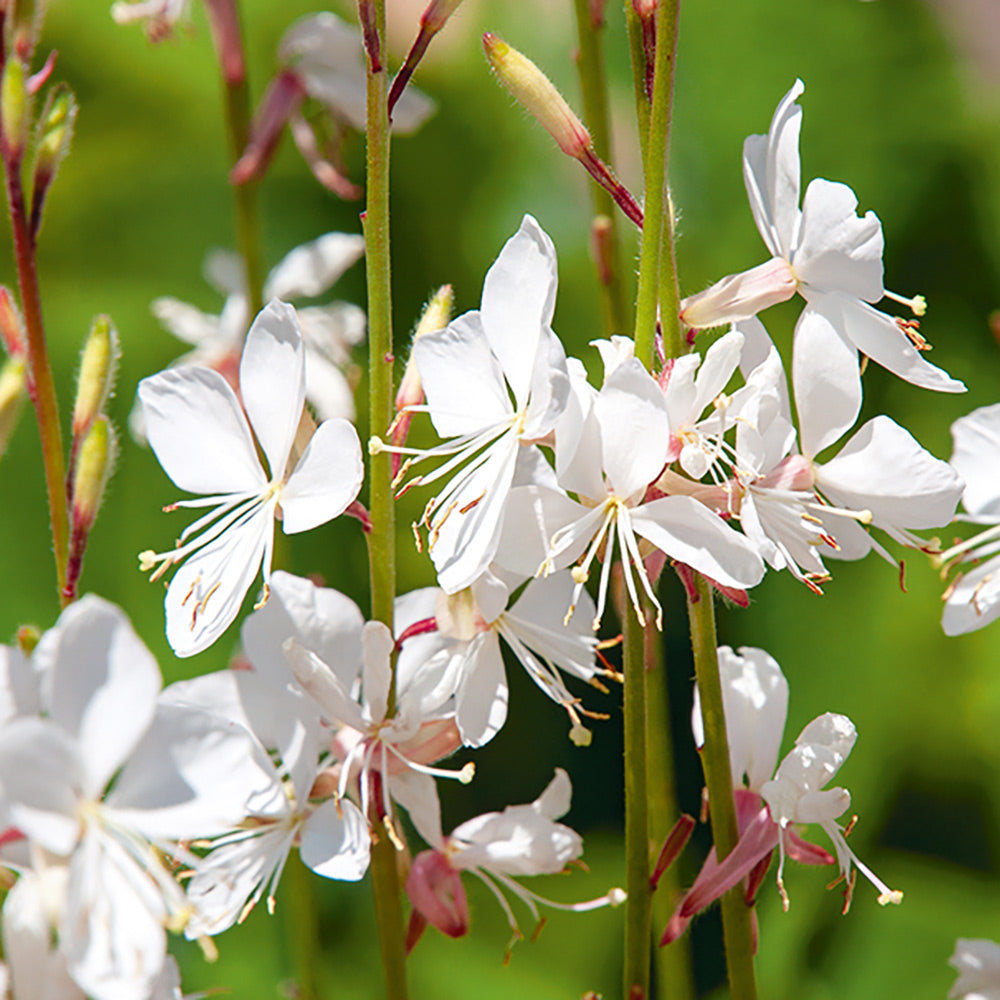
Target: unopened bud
13 384
93 468
15 107
98 364
28 17
28 636
55 129
11 325
437 12
532 89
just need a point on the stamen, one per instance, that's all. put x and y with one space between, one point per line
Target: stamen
917 305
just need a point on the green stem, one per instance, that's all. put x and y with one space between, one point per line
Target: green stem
672 965
637 906
236 94
593 87
638 74
41 385
302 927
736 925
381 540
654 175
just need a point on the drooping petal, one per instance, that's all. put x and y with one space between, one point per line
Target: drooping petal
326 479
272 381
771 174
335 841
196 427
519 295
837 250
206 592
310 269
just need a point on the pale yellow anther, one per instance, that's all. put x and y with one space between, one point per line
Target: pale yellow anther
579 574
375 445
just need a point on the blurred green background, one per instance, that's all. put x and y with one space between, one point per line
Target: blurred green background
894 108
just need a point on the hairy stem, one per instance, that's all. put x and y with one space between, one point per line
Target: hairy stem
593 87
736 926
381 540
41 386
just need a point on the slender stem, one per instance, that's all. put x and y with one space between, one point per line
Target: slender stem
637 906
666 49
593 86
236 93
638 54
736 925
672 965
41 386
381 540
302 927
654 172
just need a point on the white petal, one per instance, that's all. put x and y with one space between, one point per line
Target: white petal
826 378
335 841
378 644
417 794
207 591
555 800
101 685
975 600
19 694
324 686
550 387
976 454
326 479
225 271
310 269
717 369
462 379
534 515
327 388
687 531
195 425
519 295
635 430
186 322
482 697
272 381
837 250
771 174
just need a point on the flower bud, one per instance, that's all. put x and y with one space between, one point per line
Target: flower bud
93 468
98 364
532 89
55 132
437 13
15 107
435 890
28 637
13 386
27 26
11 325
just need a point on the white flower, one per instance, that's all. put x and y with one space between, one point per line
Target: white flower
470 371
977 962
972 600
161 16
206 445
830 256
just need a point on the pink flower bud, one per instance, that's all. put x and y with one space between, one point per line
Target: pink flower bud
283 98
435 891
740 296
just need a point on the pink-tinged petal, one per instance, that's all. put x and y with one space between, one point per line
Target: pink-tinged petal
974 600
435 891
326 479
740 296
805 851
519 297
976 454
41 773
309 270
879 336
100 685
462 379
884 470
837 250
273 381
635 428
771 174
826 378
688 531
335 841
196 427
207 591
482 696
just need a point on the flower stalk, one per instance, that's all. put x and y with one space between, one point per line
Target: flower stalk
381 539
41 386
736 924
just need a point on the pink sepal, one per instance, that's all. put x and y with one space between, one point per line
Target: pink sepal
435 891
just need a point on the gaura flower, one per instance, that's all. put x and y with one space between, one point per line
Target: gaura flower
826 253
207 443
977 962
